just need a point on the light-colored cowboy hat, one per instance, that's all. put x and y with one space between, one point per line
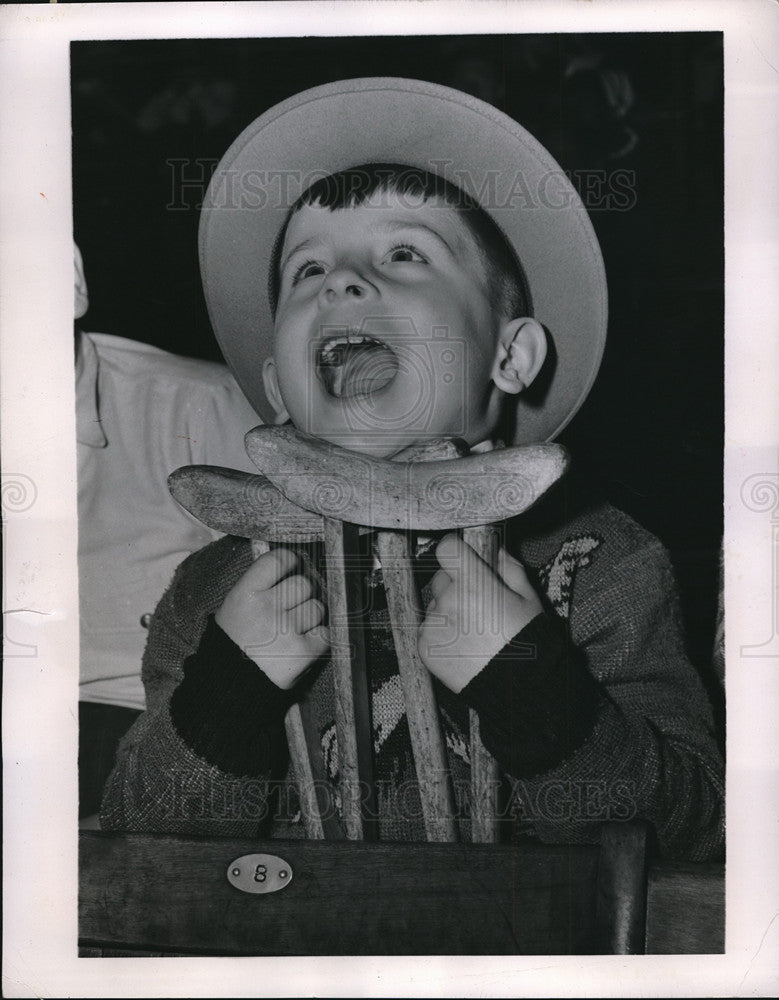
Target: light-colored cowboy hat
380 120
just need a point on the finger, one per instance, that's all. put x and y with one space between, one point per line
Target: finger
319 639
306 616
440 582
513 574
293 590
266 571
458 558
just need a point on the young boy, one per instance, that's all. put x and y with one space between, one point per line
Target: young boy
401 311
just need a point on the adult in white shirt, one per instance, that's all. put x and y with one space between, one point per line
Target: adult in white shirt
140 414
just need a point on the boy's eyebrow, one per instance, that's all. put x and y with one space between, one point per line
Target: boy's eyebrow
296 249
400 226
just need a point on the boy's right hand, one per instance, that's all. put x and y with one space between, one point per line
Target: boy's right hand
274 619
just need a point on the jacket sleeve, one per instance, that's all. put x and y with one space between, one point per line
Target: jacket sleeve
607 720
203 757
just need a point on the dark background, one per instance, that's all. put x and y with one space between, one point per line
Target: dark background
651 432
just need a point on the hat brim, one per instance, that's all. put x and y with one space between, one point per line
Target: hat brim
472 144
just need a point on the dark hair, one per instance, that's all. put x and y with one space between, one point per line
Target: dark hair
353 187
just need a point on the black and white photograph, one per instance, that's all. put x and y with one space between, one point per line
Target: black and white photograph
409 501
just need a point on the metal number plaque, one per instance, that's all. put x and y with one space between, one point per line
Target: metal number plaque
259 873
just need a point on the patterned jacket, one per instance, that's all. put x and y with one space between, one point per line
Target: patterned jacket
593 711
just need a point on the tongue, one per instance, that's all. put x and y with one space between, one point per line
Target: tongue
357 369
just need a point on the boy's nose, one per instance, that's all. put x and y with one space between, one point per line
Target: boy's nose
346 282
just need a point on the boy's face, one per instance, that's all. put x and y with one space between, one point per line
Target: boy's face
385 334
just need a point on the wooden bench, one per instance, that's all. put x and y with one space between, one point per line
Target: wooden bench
685 909
171 895
164 895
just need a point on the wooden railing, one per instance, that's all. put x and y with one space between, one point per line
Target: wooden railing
170 895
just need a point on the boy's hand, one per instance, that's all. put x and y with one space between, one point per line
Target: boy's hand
274 619
474 612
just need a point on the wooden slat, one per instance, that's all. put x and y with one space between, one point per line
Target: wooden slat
315 806
621 905
485 773
485 787
347 898
406 496
427 487
427 741
241 504
304 775
350 679
686 909
301 758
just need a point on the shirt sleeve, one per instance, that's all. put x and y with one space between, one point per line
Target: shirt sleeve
536 702
163 780
631 739
227 710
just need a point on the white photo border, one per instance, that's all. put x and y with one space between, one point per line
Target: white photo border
39 508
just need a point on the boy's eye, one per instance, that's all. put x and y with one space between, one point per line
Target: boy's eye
308 269
405 253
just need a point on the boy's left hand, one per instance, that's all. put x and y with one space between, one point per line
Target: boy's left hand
474 611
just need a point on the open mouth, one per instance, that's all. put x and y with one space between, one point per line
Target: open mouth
355 364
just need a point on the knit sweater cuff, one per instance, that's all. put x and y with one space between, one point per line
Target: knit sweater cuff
537 703
227 710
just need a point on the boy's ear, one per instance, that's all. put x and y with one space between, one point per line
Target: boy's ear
271 384
521 352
